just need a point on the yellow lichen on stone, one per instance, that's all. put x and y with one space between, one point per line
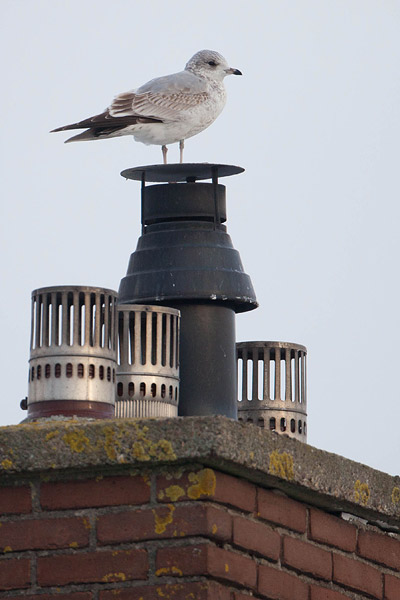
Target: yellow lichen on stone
396 495
86 523
164 450
173 492
139 452
73 545
110 443
144 449
140 431
203 484
214 529
76 440
281 464
113 442
361 492
251 455
226 568
168 571
114 577
7 464
52 434
7 549
161 522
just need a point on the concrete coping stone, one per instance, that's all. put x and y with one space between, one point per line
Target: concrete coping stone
60 448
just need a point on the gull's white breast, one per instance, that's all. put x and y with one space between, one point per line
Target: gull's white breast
186 121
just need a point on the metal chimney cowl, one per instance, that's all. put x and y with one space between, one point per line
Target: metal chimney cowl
272 386
72 361
148 361
185 259
90 358
89 353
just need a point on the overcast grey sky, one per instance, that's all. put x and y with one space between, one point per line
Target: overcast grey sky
315 121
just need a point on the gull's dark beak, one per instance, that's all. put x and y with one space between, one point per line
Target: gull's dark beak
233 72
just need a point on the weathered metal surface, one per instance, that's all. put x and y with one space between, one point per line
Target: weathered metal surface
186 260
182 172
73 351
148 361
183 255
272 386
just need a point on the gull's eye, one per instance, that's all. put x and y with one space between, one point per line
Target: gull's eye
212 63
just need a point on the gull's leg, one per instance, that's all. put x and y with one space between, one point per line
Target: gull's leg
181 147
164 153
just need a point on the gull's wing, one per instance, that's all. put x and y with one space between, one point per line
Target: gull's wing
106 122
163 98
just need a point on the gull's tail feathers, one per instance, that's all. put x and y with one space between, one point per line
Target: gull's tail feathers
103 126
102 119
89 134
97 133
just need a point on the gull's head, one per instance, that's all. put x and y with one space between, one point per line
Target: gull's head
210 65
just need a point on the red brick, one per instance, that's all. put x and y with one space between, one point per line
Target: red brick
207 484
357 576
380 548
199 590
281 510
110 491
307 558
392 588
278 585
256 537
43 534
165 522
15 500
204 559
330 530
232 566
182 560
235 492
319 593
91 567
15 573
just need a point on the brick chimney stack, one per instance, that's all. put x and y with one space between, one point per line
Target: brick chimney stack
201 508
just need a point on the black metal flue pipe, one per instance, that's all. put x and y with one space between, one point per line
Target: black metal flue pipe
185 259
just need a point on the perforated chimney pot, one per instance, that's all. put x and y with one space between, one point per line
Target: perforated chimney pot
72 362
148 361
185 259
272 386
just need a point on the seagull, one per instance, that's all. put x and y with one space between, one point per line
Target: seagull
165 110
